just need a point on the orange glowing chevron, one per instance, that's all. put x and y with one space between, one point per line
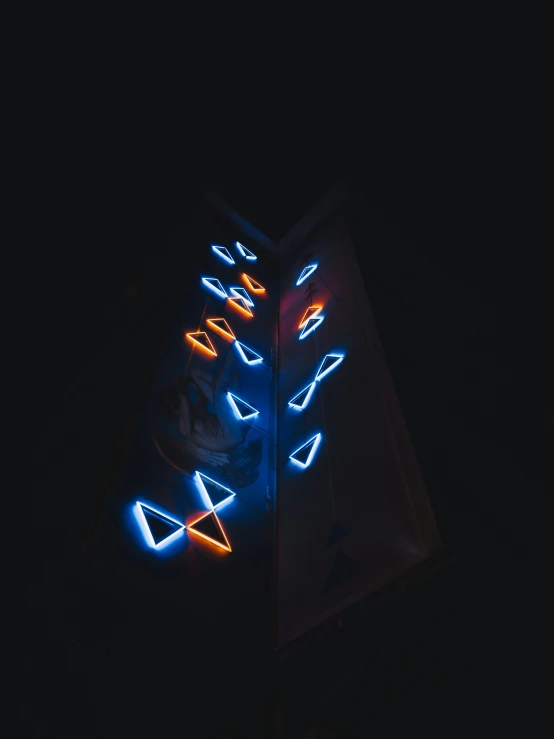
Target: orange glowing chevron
221 327
209 526
311 312
241 305
252 284
201 339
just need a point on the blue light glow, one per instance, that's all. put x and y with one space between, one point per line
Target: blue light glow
145 528
245 353
205 495
233 399
224 253
306 272
245 252
330 365
215 285
314 442
311 325
306 400
240 292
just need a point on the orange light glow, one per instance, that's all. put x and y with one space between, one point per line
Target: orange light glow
252 284
311 312
240 304
221 327
226 546
201 339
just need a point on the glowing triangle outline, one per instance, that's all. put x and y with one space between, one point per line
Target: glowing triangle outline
248 300
147 531
311 388
219 251
240 346
244 307
199 481
319 374
243 249
316 310
306 272
305 331
231 397
315 441
191 337
208 538
217 290
250 282
221 331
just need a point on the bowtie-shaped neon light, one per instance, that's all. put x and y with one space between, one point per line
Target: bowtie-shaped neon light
245 252
224 253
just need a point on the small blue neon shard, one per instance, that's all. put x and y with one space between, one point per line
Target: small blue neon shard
303 398
213 492
247 354
157 528
242 409
244 252
311 325
303 455
224 253
306 272
240 292
330 361
214 284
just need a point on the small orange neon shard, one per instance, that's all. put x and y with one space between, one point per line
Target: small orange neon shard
241 305
221 327
311 312
225 546
204 344
252 284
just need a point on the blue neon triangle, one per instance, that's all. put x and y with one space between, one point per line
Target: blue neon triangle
299 400
247 252
311 324
243 408
240 292
216 492
301 455
224 252
248 353
160 526
329 361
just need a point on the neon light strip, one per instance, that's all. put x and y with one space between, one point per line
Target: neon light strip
209 538
306 272
339 358
200 482
316 443
252 284
308 328
243 355
210 349
311 312
240 304
226 333
232 399
240 292
306 399
145 528
224 253
217 289
245 252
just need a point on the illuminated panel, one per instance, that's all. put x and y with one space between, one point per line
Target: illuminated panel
311 325
215 285
213 492
209 528
201 339
301 400
241 305
247 354
224 253
252 284
221 327
303 455
306 272
243 251
242 409
240 292
157 528
311 312
330 361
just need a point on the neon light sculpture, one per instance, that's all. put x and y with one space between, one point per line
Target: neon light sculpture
304 455
301 400
248 356
241 305
201 339
306 272
311 325
224 253
240 292
215 285
311 312
252 284
221 327
330 361
145 513
209 526
245 252
243 410
220 494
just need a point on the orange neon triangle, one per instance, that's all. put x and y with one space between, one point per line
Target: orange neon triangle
220 326
252 284
202 339
311 312
241 304
223 543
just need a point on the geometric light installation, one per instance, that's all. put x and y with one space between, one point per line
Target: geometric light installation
247 354
311 312
209 527
213 492
241 305
201 339
242 409
330 361
240 292
304 454
245 252
303 398
252 284
220 326
224 253
306 272
157 528
311 325
215 285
